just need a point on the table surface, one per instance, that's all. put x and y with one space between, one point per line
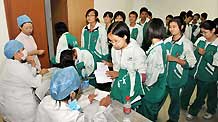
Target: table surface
116 108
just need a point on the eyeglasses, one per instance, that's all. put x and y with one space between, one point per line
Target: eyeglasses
91 15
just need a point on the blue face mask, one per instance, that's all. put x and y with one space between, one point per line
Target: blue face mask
73 105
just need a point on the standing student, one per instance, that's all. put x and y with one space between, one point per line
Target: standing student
108 17
25 37
128 65
119 16
204 74
203 17
155 83
64 103
136 31
17 80
144 22
188 27
94 37
195 27
168 19
65 40
180 57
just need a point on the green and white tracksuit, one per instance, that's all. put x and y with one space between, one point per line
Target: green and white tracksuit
177 75
136 33
155 84
145 43
130 63
64 42
84 63
205 76
95 41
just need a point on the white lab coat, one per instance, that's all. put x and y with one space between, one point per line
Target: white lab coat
17 100
86 57
139 38
132 58
51 111
30 45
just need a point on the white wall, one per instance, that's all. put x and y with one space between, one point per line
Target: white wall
3 31
112 5
159 8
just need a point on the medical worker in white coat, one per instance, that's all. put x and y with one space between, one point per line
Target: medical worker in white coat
17 80
62 105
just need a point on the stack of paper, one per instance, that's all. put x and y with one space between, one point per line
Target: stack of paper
100 94
100 73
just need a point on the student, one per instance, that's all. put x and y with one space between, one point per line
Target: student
128 65
149 15
188 27
183 15
65 40
119 16
195 27
64 103
94 37
108 17
25 37
168 19
180 57
136 31
204 74
216 22
143 22
17 80
155 83
203 17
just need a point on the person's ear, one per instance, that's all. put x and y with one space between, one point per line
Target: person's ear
214 30
125 37
72 95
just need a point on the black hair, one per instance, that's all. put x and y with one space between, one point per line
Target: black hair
208 25
216 22
155 29
108 13
66 59
189 15
197 14
169 16
68 97
180 22
25 23
120 13
204 15
134 13
150 14
120 29
183 15
60 28
189 12
143 9
96 13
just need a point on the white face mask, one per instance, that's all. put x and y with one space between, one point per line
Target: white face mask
24 54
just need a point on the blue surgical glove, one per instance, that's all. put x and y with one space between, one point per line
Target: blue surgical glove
73 105
85 84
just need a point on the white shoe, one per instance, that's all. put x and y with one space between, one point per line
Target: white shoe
207 116
189 117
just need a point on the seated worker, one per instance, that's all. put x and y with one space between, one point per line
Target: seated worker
18 78
63 104
65 41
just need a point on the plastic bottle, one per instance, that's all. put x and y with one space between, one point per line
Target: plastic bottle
127 110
